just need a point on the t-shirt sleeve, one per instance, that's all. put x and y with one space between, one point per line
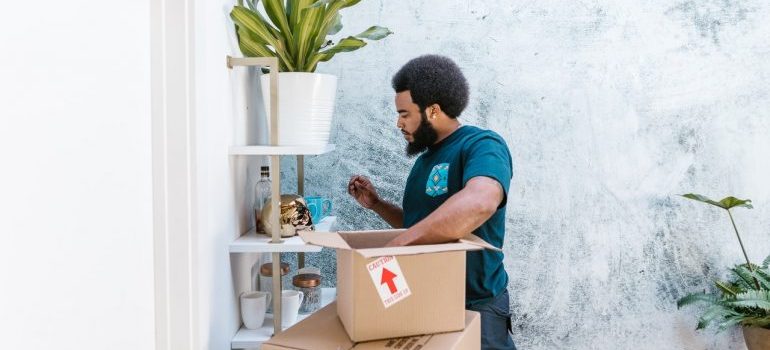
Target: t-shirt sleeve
489 156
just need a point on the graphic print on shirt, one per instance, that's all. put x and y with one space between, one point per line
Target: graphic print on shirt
437 180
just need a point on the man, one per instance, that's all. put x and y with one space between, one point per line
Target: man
458 185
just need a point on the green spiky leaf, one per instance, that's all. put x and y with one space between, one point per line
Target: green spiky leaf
695 298
374 33
711 314
252 4
730 321
744 275
345 45
293 11
307 30
727 288
725 203
277 13
251 47
752 299
251 21
761 276
348 3
296 31
330 25
321 3
336 25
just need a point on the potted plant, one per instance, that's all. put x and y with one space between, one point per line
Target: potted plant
296 31
742 300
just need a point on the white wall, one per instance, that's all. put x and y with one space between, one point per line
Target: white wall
75 177
224 182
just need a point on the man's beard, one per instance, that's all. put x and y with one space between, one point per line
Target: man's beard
424 137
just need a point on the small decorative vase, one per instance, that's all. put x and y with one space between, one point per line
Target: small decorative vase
294 216
757 338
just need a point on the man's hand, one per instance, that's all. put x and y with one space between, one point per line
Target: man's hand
404 239
363 191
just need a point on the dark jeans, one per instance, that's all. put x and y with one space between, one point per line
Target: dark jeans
496 323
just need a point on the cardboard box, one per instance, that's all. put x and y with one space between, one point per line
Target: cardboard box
323 331
395 292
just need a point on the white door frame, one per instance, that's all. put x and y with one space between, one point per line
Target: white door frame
173 172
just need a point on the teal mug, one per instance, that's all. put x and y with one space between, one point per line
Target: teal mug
319 208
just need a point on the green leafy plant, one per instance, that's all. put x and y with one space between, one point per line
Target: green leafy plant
295 31
745 298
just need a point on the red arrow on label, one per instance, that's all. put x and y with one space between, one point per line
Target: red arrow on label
387 277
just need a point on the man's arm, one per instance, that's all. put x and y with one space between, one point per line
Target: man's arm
389 212
462 213
366 195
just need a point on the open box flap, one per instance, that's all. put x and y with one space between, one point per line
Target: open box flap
336 240
417 249
476 240
324 239
468 243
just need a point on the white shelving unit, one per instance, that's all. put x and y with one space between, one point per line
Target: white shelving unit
274 243
259 243
253 338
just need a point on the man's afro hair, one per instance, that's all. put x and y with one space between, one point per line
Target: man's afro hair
434 79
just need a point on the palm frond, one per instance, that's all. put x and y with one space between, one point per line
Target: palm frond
697 297
744 278
727 288
713 313
752 299
730 321
762 277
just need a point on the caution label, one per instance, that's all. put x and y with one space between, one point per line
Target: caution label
388 280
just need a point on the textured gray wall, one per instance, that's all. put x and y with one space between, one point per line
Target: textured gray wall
609 108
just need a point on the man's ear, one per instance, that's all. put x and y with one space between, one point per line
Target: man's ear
433 111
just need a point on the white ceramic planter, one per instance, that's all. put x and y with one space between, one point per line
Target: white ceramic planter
305 107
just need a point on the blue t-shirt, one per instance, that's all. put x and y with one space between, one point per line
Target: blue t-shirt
444 170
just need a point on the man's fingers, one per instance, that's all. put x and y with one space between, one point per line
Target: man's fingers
361 186
352 186
368 186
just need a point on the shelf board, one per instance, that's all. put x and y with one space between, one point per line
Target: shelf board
259 243
253 338
280 150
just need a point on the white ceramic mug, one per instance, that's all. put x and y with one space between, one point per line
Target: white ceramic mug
253 308
291 300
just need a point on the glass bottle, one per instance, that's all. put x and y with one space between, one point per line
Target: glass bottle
261 195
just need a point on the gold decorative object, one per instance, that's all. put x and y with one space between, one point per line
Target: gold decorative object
294 217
